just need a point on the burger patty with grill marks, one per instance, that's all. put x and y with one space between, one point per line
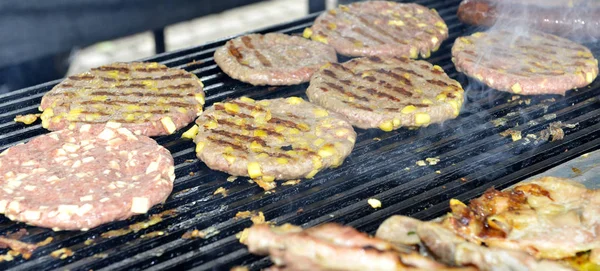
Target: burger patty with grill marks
537 63
147 98
380 28
272 139
387 93
272 59
84 178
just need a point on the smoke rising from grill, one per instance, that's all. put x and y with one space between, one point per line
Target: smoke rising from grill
577 20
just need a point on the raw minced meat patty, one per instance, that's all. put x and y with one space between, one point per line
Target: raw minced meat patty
147 98
272 59
387 93
380 28
537 63
286 138
79 179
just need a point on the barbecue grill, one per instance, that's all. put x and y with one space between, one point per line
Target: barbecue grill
472 154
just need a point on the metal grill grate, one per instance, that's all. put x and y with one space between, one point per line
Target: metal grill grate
473 156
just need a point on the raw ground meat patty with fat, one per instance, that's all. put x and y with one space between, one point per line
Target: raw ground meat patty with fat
387 93
272 59
539 63
380 28
286 138
77 180
147 98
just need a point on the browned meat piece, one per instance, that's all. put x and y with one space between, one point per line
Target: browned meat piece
332 247
399 230
453 249
273 59
550 218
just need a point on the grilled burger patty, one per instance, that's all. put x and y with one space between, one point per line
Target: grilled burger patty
539 63
380 28
281 139
84 178
387 93
272 59
147 98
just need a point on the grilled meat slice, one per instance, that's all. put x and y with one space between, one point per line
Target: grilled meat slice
453 249
332 247
551 218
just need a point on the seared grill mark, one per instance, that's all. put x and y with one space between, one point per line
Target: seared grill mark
111 68
408 71
237 54
402 91
310 152
375 59
66 85
370 78
346 82
436 71
288 123
121 102
220 107
396 76
131 86
239 137
397 109
94 112
359 106
340 67
248 127
158 78
81 78
378 29
374 92
349 94
141 94
226 143
247 106
248 42
263 60
329 73
367 35
236 136
149 69
438 83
